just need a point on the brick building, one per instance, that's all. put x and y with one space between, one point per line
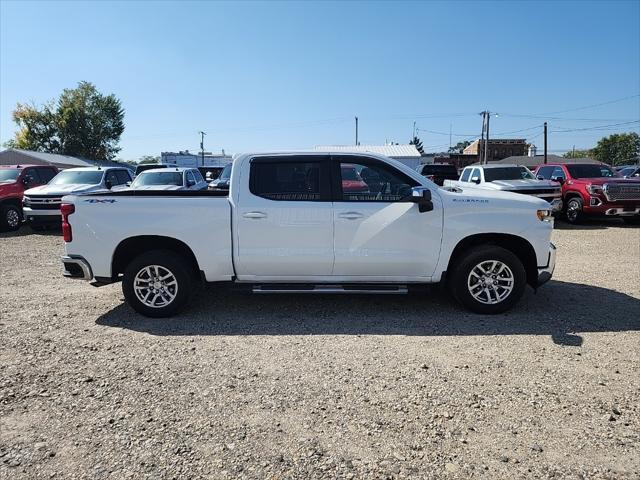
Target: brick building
499 148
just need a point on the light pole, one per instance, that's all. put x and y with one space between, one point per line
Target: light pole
202 134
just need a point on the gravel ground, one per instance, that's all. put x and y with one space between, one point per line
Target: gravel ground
248 386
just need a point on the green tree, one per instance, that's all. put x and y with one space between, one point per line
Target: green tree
82 122
459 147
578 154
418 144
617 149
148 159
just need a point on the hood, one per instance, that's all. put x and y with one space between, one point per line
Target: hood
157 187
603 180
62 189
470 196
8 186
524 184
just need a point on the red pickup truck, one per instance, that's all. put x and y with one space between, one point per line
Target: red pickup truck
594 189
14 180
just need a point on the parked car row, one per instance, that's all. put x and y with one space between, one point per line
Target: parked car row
33 193
574 190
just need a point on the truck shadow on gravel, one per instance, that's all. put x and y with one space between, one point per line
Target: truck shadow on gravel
559 309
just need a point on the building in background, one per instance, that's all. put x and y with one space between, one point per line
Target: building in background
532 161
14 156
407 154
499 148
189 159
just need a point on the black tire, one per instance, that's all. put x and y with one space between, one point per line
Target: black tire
10 218
573 210
461 273
169 261
631 220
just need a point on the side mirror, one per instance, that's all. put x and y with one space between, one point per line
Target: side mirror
539 177
560 180
27 179
128 184
421 196
475 180
108 184
190 183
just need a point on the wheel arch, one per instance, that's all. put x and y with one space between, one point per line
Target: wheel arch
14 201
131 247
519 246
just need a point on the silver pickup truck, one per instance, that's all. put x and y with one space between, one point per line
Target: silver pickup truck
509 178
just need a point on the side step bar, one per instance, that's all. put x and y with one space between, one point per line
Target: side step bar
326 288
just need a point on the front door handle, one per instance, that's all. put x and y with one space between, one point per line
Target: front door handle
351 215
255 215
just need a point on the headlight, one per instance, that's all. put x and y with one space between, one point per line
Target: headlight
544 215
594 189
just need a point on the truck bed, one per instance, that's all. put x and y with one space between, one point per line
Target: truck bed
200 219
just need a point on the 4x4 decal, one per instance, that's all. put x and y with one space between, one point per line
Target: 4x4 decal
99 200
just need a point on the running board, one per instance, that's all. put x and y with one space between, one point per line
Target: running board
326 288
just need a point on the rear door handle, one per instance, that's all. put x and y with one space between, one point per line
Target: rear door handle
351 215
255 215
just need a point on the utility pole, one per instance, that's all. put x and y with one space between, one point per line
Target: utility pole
486 143
414 131
482 144
357 131
202 134
450 126
545 142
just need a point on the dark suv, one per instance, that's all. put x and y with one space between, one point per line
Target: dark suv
438 172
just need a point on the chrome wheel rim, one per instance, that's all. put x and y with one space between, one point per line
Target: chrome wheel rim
572 210
13 218
155 286
490 282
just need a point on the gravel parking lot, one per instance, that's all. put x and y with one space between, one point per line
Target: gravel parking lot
247 386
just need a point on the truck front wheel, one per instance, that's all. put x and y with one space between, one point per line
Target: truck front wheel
10 218
157 283
574 210
488 279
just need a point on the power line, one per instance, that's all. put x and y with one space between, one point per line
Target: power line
600 127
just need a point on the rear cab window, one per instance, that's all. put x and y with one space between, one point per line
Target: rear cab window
293 178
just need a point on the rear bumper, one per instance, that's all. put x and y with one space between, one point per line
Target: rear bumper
546 272
76 267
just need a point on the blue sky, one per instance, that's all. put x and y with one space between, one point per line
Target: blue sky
260 76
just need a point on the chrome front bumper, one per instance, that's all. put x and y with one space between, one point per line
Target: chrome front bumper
545 273
76 267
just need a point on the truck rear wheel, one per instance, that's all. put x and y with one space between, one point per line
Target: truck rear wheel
10 218
488 280
157 283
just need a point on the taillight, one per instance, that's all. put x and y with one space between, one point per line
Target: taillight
66 209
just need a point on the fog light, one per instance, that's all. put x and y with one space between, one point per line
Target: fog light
594 201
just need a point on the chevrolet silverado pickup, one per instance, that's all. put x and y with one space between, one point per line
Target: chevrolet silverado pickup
594 190
289 224
509 178
41 205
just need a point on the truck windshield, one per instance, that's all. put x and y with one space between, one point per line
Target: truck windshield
507 173
8 175
590 171
80 177
158 178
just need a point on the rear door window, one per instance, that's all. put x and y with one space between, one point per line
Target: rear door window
296 178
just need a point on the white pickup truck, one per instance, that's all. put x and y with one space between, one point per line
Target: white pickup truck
509 178
309 222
